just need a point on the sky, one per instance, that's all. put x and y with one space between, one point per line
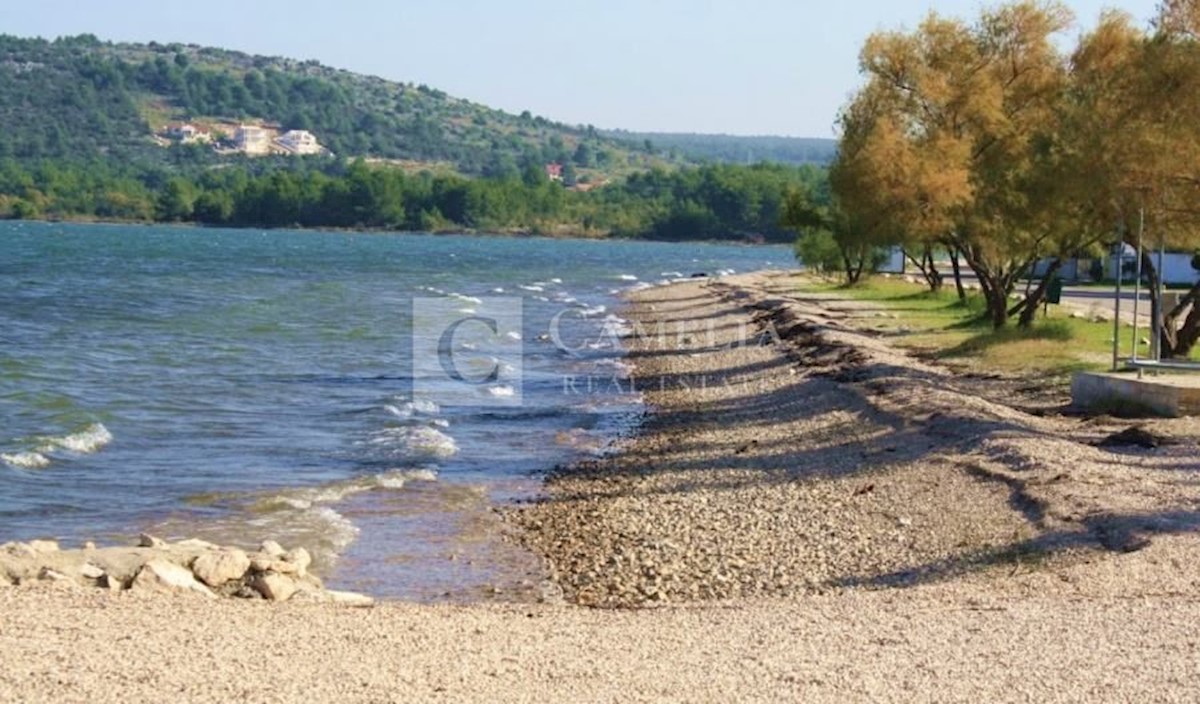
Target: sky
781 67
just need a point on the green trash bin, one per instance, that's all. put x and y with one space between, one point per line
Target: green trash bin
1054 291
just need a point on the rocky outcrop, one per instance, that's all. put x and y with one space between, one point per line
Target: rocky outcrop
184 567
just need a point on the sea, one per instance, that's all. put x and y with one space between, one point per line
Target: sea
372 397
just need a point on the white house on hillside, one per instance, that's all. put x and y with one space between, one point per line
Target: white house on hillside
252 139
299 142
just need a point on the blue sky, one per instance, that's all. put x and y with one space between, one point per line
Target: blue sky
741 67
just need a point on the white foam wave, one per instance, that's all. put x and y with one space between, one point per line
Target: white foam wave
26 460
90 439
466 299
534 287
422 440
512 335
502 391
408 409
627 277
556 280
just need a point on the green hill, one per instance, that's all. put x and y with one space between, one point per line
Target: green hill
78 97
732 149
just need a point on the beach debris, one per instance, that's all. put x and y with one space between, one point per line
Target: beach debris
1136 435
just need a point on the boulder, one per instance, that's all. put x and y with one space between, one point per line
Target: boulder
300 558
162 575
273 586
91 571
272 548
43 546
217 568
261 563
196 544
145 540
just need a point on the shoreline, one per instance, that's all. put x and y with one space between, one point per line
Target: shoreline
513 233
845 522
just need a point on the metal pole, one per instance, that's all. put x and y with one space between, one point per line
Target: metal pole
1119 259
1158 319
1137 281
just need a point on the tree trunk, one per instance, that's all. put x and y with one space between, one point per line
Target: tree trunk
958 284
1033 301
933 278
1189 333
1166 339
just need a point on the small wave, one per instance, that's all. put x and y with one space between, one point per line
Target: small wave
90 439
513 335
466 299
26 460
422 440
533 287
627 277
503 391
593 311
672 274
498 289
306 498
556 280
408 409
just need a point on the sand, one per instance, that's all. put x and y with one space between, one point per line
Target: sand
843 522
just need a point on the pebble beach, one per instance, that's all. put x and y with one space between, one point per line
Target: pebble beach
806 513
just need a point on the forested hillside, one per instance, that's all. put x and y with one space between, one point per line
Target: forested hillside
732 149
78 96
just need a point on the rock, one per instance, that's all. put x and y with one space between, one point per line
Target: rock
300 558
161 575
89 545
18 550
52 575
350 599
217 568
273 586
272 548
91 571
43 546
112 583
196 544
260 563
1136 436
145 540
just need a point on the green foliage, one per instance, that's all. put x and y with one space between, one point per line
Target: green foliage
78 97
713 202
818 252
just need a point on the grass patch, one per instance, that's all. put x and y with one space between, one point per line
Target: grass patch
942 326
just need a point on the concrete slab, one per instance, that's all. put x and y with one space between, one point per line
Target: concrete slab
1170 395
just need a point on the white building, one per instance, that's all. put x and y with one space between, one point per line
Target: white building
252 139
299 142
188 134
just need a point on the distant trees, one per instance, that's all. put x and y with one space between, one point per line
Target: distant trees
714 202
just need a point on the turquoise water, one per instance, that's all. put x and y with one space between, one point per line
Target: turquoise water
241 385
